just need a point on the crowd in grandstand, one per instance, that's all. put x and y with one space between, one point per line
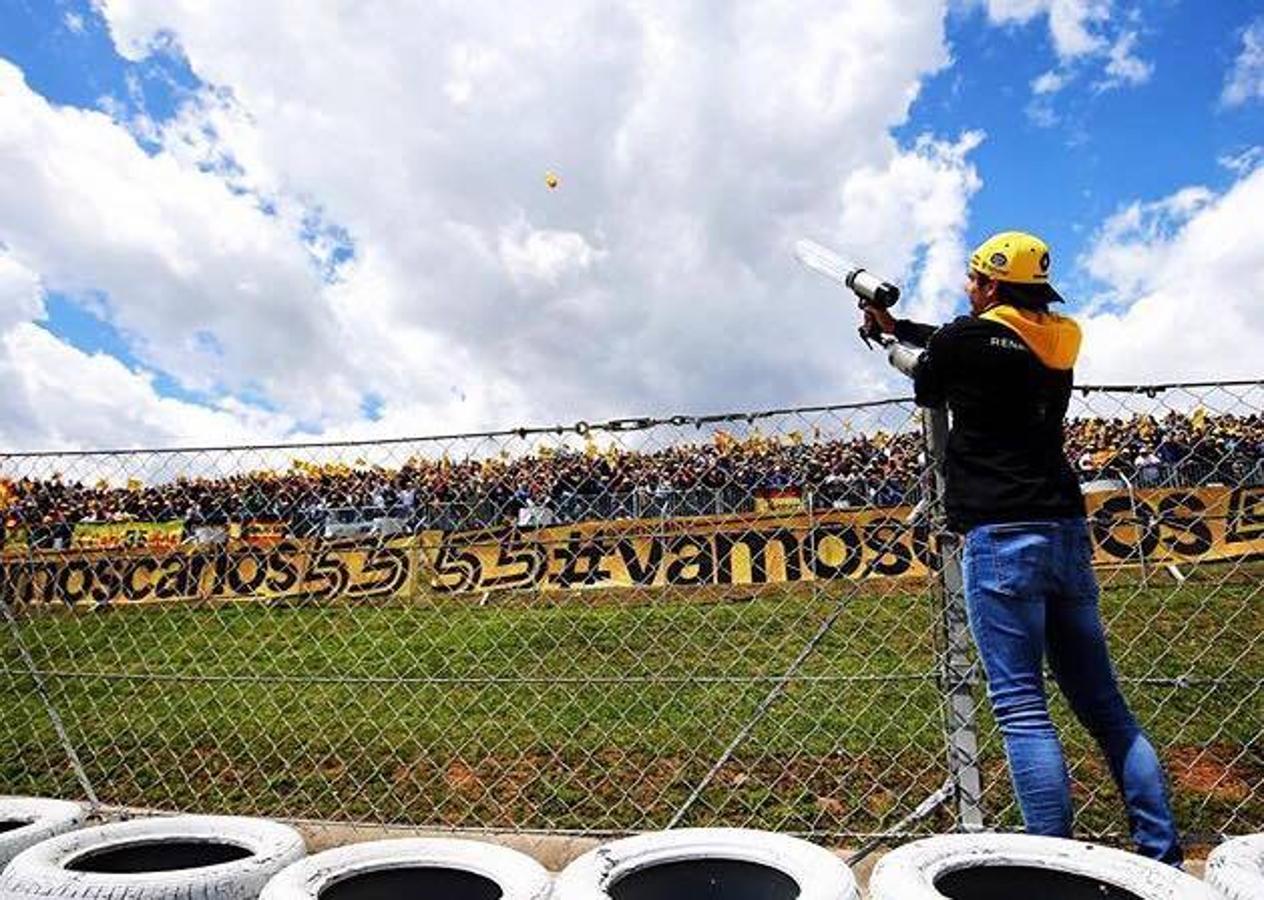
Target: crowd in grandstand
721 475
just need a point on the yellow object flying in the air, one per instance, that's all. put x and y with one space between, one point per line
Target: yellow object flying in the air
551 180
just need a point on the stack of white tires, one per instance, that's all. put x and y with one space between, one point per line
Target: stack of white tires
47 854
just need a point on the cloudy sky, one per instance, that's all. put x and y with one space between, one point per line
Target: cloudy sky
249 220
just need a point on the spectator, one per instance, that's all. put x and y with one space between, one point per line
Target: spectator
716 476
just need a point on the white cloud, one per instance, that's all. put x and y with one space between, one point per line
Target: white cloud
1074 25
1245 81
1086 34
205 286
1243 161
1049 83
542 257
1186 274
474 68
56 396
21 296
1040 110
1123 67
693 144
177 254
910 216
1041 113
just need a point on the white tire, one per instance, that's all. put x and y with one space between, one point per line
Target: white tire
1235 869
25 821
457 870
713 863
185 857
982 865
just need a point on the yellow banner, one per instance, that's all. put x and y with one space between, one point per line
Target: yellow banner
1177 525
112 535
778 502
291 569
721 550
1159 526
1154 526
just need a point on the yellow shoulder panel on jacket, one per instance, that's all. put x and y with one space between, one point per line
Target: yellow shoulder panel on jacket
1053 338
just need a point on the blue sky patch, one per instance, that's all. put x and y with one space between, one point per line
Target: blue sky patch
1104 147
65 51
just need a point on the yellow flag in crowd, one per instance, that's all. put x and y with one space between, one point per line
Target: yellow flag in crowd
304 467
133 484
1199 419
6 493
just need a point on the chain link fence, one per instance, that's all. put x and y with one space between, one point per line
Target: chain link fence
747 620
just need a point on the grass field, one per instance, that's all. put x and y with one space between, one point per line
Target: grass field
575 716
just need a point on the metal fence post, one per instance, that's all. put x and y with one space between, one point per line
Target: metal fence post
1143 529
956 670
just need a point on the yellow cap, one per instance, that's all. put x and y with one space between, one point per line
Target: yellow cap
1013 256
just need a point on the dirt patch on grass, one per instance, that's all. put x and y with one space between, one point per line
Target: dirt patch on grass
1219 771
611 787
461 778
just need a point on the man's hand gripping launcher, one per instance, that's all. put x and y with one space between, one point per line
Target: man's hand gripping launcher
870 291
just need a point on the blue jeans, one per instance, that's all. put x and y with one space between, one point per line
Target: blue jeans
1031 592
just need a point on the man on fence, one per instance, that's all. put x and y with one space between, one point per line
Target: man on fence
1005 373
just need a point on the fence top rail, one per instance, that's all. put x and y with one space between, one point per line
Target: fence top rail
1153 389
631 423
581 427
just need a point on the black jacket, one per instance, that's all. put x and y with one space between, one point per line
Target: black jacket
1006 377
